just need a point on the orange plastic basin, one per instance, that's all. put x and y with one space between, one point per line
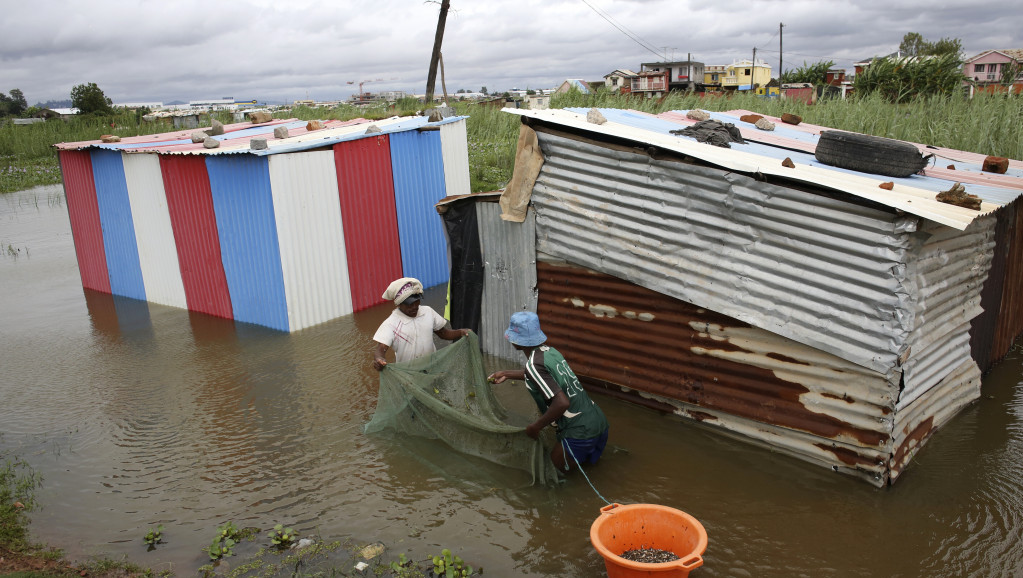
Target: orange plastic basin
622 528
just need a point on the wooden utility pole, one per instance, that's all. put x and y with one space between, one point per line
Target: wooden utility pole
431 79
781 68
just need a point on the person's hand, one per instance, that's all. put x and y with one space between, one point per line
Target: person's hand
379 363
533 430
497 377
465 332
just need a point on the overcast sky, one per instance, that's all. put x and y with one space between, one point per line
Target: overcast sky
280 51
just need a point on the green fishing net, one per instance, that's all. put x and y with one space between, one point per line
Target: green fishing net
445 396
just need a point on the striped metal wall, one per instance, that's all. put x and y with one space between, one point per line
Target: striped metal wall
418 169
366 193
509 275
83 212
154 236
190 205
818 270
311 237
118 226
244 210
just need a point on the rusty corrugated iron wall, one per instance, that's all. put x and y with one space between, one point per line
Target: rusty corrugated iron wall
716 369
1011 311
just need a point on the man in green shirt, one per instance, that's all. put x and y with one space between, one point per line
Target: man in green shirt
581 425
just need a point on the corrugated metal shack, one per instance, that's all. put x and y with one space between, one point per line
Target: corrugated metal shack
308 229
804 309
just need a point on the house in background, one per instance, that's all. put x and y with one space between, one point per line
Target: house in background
987 68
576 83
620 80
713 75
680 75
745 75
862 65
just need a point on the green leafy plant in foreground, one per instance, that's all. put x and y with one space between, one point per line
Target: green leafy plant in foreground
223 545
450 566
18 483
282 537
154 536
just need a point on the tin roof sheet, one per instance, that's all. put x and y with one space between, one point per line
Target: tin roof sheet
909 195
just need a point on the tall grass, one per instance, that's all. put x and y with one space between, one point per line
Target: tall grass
987 124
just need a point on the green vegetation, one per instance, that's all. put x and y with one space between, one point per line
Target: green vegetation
897 100
901 80
282 537
816 74
154 536
18 483
89 99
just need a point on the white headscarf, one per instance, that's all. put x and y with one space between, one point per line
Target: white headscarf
400 289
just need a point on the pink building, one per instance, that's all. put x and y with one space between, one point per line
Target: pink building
987 70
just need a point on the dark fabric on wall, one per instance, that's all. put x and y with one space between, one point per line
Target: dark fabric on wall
466 284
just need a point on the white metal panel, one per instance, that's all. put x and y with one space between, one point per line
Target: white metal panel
947 273
311 237
907 199
158 255
454 145
509 275
821 271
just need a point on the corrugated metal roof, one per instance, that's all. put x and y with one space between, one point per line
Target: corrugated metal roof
154 235
756 161
83 211
311 237
417 164
247 228
118 227
236 138
509 269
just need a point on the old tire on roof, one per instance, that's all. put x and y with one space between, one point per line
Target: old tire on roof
869 154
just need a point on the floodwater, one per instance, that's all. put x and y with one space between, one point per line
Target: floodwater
139 414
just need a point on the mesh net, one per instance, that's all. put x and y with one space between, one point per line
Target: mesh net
445 396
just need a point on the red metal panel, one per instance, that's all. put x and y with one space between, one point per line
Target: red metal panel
195 234
366 188
83 209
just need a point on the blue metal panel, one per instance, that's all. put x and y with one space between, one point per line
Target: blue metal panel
242 201
417 163
118 228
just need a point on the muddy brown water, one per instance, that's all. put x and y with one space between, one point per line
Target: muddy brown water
139 414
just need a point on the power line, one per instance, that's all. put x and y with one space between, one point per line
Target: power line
622 29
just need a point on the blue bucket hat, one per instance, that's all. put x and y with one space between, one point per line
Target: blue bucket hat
524 329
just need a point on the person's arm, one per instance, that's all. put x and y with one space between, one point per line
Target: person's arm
379 361
559 405
451 334
501 376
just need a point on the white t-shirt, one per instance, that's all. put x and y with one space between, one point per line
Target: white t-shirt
410 337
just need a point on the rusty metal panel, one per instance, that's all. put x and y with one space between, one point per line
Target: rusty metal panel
715 369
509 275
946 273
311 237
1010 319
818 270
915 424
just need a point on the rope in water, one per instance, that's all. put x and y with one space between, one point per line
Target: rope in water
583 472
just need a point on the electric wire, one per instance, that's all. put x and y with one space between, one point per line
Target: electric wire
621 28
